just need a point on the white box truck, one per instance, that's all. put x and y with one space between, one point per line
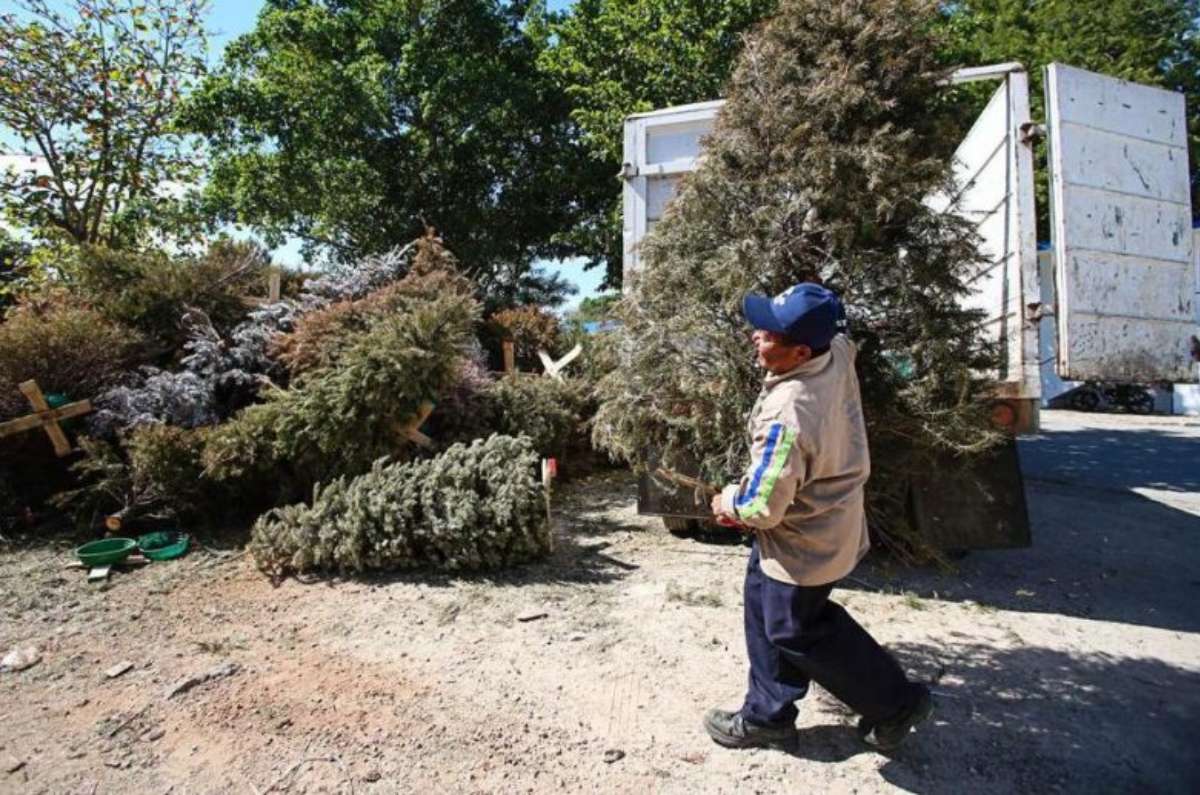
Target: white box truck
1126 293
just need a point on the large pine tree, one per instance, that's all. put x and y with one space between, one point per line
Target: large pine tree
832 134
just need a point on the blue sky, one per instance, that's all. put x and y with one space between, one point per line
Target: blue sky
229 18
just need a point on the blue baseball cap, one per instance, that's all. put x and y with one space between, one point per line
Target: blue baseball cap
807 314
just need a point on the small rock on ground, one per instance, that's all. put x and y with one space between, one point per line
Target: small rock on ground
221 671
20 659
118 669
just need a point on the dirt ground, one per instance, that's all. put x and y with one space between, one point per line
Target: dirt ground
1073 666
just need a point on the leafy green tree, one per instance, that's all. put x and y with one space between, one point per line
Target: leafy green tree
832 133
1156 42
91 91
617 57
353 124
599 307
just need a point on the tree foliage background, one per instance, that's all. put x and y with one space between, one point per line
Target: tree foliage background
831 135
1156 42
352 125
617 57
349 124
15 269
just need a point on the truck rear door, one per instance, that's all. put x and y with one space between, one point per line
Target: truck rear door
993 176
660 147
1121 228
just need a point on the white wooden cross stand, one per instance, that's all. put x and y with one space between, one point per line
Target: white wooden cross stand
554 369
45 417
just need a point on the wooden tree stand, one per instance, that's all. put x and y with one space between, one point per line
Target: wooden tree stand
552 368
409 431
45 417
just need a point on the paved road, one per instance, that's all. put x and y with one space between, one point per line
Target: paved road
1092 667
1114 506
1157 458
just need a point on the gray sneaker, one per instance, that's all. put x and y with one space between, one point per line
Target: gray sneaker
888 734
732 730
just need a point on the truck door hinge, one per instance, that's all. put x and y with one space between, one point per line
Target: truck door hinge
1035 312
1032 131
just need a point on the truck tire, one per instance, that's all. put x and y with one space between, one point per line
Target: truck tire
1141 403
1085 399
679 527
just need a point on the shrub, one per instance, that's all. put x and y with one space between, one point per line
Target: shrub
65 348
17 270
472 507
553 414
151 290
219 376
322 334
106 482
599 356
157 472
351 281
181 399
464 413
319 334
168 467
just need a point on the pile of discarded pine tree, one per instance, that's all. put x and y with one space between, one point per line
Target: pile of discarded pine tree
358 414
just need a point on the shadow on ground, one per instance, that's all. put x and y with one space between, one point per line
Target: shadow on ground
1099 549
1082 723
1156 457
1034 719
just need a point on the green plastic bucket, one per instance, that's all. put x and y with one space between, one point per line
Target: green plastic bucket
105 551
163 545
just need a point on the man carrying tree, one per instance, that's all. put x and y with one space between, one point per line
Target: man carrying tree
802 497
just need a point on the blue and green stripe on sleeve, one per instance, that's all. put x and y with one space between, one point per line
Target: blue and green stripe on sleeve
753 502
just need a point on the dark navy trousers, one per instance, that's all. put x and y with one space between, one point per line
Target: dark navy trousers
795 635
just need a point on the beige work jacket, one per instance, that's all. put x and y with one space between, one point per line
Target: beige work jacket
803 491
